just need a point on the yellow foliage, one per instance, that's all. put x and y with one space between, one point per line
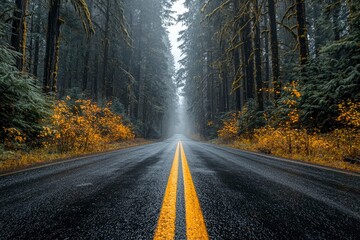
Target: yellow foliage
292 88
287 140
292 103
282 140
349 113
349 138
83 126
13 137
230 128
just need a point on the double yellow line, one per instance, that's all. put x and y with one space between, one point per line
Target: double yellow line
195 224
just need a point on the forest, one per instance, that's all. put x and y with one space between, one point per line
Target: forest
77 75
280 77
277 77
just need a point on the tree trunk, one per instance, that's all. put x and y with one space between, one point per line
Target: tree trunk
87 54
274 50
248 61
266 44
209 83
19 32
31 41
105 79
37 43
130 84
224 96
236 61
141 73
257 52
302 31
141 91
86 65
52 47
95 95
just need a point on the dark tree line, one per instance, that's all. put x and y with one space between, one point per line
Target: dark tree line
105 50
241 55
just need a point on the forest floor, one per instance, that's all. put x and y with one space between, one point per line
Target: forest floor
18 160
327 161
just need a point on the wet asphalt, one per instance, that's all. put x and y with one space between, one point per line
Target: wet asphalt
118 195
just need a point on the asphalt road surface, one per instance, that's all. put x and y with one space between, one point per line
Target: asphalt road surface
180 190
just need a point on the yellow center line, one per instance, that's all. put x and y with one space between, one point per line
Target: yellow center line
195 223
166 224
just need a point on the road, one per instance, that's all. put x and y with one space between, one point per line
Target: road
138 193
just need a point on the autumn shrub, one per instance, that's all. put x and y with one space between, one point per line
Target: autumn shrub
289 141
285 141
83 125
14 138
230 128
284 135
348 137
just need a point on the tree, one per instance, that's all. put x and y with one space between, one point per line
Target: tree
18 36
302 31
53 40
274 49
22 103
257 53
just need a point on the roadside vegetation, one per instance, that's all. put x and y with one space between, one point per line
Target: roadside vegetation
74 128
79 77
285 137
36 128
277 77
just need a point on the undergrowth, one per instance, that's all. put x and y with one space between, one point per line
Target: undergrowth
337 148
75 127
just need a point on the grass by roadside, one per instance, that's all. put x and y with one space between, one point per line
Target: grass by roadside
17 160
320 159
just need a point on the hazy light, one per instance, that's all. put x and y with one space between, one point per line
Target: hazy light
183 124
178 8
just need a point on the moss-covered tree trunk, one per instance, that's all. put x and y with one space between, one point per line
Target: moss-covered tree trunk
248 60
236 61
37 28
274 43
266 49
106 90
52 47
302 31
19 32
87 55
257 53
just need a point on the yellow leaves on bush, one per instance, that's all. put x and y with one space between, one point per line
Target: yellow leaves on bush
292 103
283 141
84 125
287 139
349 137
13 137
348 140
349 113
230 128
293 116
292 88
